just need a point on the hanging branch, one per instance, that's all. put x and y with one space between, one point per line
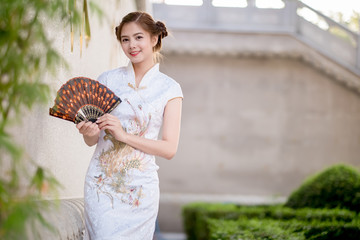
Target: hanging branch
71 13
87 23
85 32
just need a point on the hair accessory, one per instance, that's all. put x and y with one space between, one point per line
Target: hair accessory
162 28
83 99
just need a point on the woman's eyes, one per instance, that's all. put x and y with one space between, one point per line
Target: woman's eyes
126 39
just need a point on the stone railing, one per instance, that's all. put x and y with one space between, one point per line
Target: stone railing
66 218
251 19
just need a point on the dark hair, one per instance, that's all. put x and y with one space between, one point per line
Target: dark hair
147 23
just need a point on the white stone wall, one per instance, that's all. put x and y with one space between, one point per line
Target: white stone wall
261 112
52 142
257 126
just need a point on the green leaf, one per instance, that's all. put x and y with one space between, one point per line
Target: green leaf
7 144
87 23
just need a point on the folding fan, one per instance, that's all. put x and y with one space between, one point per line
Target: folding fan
83 99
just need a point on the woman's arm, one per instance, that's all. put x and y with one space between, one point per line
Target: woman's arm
166 147
90 132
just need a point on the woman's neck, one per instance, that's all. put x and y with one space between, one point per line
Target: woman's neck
140 69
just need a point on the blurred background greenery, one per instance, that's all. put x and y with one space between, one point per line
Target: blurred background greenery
26 55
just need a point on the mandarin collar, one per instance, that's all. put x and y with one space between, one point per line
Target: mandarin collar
145 80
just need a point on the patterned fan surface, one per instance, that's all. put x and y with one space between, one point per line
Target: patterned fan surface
83 99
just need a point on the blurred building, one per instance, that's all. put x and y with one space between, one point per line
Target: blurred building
269 98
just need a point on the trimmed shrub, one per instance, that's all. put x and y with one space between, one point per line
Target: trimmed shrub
196 215
252 229
335 187
259 229
330 231
325 207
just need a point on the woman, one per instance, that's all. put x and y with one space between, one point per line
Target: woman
121 185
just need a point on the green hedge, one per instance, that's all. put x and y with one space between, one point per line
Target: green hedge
251 229
311 212
196 215
259 229
336 186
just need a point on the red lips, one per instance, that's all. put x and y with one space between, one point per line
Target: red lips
134 54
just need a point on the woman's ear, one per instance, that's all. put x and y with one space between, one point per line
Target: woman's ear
154 40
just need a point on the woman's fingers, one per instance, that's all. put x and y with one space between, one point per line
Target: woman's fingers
93 129
87 128
107 120
104 122
80 124
106 117
82 127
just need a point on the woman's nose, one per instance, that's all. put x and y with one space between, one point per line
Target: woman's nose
131 44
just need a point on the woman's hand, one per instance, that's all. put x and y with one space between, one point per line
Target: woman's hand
113 125
90 132
88 129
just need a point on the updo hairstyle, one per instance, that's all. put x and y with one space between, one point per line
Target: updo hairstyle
147 23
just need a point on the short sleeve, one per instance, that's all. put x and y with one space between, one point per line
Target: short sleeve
174 92
103 78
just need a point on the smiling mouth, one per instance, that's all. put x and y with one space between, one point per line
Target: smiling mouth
134 53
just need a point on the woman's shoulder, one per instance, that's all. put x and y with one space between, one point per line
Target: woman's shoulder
169 86
167 81
111 75
112 72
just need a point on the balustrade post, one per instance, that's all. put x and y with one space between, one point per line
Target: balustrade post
207 3
291 7
251 3
358 48
358 52
207 11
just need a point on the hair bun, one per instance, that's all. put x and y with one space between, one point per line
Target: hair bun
162 29
116 30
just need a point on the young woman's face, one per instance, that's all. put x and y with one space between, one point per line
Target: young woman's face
137 43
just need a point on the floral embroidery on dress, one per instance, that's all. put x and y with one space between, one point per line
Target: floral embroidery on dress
116 163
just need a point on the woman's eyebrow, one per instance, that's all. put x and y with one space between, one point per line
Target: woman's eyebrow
138 33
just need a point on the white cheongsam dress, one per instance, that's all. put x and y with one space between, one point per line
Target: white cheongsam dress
122 186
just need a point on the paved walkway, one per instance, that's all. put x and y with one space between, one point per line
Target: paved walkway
170 236
174 236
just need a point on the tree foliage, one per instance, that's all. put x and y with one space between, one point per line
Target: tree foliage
26 53
351 22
